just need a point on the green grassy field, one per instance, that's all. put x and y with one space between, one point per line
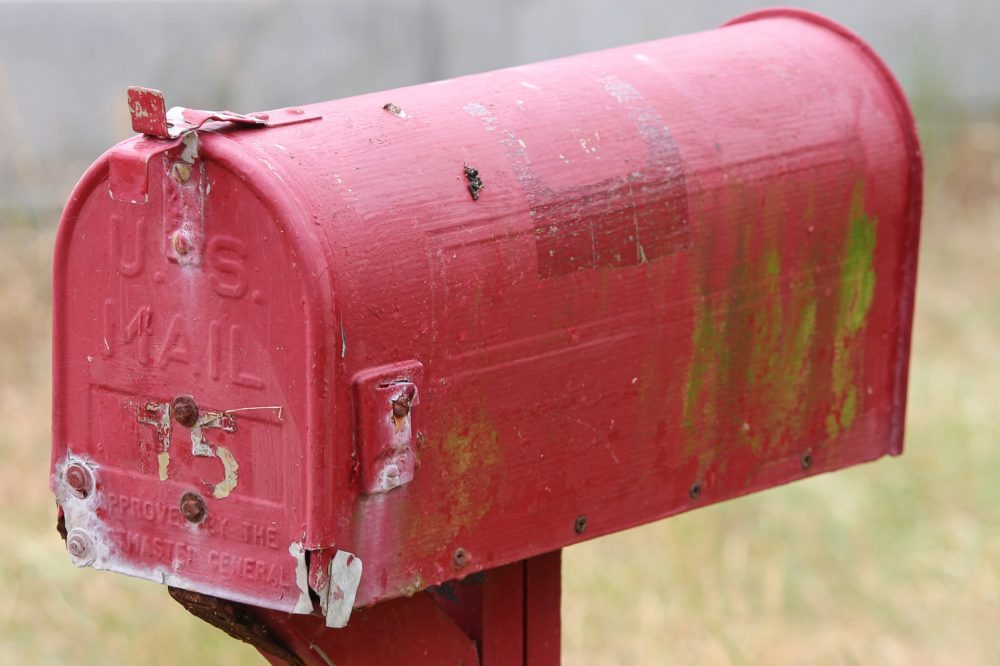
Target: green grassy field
895 562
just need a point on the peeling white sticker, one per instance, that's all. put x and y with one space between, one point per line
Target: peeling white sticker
345 575
304 605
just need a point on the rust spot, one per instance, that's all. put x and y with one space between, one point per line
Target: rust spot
237 620
580 524
401 406
185 411
193 508
695 491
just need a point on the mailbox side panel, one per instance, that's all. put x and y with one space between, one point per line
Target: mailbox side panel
637 282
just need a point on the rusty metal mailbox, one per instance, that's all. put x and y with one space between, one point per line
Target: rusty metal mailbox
324 357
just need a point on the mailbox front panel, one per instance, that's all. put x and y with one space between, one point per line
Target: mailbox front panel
499 314
182 375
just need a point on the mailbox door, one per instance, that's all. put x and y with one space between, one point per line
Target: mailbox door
183 365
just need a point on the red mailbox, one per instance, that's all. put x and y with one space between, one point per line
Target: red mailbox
324 357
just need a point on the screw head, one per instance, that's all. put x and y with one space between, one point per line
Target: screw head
80 547
460 558
580 524
193 508
79 480
807 460
695 491
185 410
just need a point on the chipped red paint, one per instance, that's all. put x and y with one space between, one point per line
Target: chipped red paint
687 268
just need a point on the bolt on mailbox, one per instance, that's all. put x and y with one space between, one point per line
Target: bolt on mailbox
324 357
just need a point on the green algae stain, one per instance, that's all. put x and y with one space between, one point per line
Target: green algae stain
857 290
795 364
471 444
787 383
465 459
781 333
752 345
857 285
766 327
472 450
705 342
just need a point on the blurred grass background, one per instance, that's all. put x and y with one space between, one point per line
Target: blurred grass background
895 562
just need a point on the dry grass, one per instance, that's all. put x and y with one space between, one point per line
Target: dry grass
897 562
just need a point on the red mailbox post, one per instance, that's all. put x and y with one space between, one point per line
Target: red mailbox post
391 353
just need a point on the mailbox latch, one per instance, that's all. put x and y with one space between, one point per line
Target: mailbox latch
386 399
150 116
162 129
